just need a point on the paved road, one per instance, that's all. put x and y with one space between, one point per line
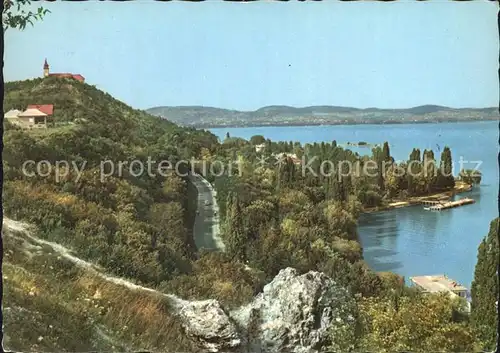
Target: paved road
206 230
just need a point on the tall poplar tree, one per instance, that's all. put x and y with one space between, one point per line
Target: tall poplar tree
378 157
236 242
445 176
430 175
414 169
386 152
485 289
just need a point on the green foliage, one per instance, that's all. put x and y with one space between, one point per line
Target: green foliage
470 176
236 142
16 16
257 140
386 152
214 277
485 289
235 234
422 323
445 176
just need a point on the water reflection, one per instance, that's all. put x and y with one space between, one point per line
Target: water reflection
412 241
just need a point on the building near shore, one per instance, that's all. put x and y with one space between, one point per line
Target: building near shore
260 148
33 119
12 116
36 116
439 283
283 156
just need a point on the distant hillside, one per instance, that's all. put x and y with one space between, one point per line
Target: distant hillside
281 115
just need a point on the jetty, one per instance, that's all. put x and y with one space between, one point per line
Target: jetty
440 205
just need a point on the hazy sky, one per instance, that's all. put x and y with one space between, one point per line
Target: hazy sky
245 56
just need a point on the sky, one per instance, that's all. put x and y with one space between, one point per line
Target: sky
250 55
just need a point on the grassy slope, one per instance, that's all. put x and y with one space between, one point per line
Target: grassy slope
52 305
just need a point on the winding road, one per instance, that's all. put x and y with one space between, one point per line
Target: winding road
206 230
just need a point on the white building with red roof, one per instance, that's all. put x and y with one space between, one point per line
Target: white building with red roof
33 118
44 108
46 73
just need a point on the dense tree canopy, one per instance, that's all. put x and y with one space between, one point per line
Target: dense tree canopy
16 16
424 323
485 288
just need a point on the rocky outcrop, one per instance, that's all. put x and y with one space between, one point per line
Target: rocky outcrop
207 323
294 313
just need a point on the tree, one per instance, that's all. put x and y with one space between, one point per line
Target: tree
378 157
340 221
257 140
393 181
386 152
470 176
235 236
173 188
429 177
257 217
414 169
422 323
15 15
485 289
445 175
286 173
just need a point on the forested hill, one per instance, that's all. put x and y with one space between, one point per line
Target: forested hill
133 224
93 109
91 127
280 115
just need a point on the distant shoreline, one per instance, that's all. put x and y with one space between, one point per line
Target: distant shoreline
203 117
236 126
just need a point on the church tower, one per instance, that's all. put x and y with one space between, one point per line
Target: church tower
45 69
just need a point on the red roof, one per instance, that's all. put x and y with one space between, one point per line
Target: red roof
77 77
44 108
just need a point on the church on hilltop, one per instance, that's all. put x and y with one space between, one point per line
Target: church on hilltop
46 73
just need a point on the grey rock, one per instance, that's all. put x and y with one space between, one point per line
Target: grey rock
294 313
207 323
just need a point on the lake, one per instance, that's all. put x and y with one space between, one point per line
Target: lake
411 241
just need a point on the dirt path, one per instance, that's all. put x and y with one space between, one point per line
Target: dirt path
25 229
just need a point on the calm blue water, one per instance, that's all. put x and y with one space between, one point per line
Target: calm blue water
411 241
